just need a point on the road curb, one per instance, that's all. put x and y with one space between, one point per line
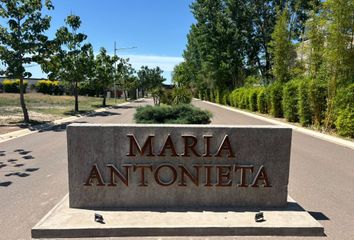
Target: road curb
20 133
312 133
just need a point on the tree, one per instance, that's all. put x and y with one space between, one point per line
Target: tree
151 80
315 36
22 40
104 72
339 52
181 75
74 60
125 78
281 48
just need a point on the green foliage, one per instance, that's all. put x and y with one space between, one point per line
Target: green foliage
281 48
23 40
290 101
276 97
345 122
262 101
217 96
225 98
345 111
304 104
88 88
211 96
318 100
150 79
167 97
157 94
104 74
181 95
13 86
49 87
252 99
177 114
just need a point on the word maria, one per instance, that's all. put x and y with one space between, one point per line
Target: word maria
166 174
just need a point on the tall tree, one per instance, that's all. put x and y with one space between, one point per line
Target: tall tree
74 61
22 39
339 52
281 48
104 72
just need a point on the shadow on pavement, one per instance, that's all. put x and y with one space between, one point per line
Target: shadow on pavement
318 215
5 184
58 128
103 114
16 166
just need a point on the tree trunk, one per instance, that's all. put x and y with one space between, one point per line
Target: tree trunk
76 97
22 102
125 95
104 99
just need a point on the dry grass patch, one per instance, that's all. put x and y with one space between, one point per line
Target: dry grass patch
44 108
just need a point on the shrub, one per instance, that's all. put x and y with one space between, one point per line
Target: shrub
344 103
290 101
13 86
304 103
89 89
276 96
225 98
200 95
49 87
262 101
217 96
167 97
345 122
318 100
177 114
181 95
252 99
211 96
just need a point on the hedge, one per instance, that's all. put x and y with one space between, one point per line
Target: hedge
290 101
13 86
318 101
262 101
49 87
276 96
305 114
344 104
252 99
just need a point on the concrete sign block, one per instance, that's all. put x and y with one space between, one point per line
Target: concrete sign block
135 166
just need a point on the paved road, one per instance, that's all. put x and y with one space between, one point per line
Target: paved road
33 180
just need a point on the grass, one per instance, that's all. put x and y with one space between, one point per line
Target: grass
45 108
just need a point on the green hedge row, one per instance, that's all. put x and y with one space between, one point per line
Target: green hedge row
299 100
13 86
49 87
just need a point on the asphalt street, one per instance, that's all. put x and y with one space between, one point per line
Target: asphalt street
33 175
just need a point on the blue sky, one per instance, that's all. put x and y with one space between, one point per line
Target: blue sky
158 28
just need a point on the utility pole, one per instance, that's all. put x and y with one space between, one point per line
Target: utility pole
115 67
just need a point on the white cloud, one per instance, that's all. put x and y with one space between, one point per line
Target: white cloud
166 63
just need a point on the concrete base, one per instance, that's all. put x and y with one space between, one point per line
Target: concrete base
65 222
